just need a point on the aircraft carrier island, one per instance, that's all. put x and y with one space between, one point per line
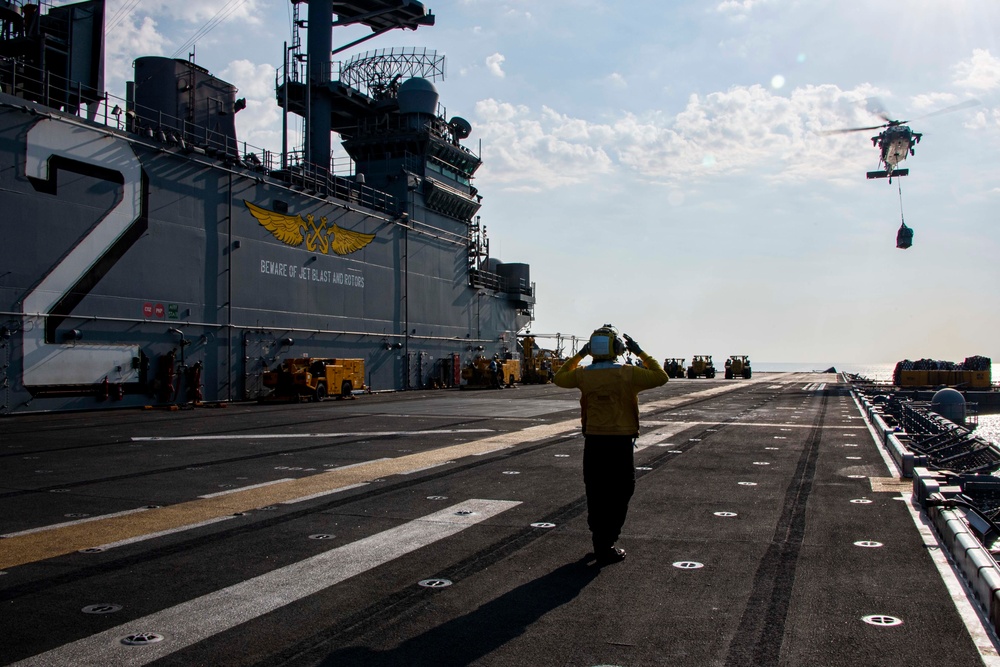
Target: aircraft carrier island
154 258
769 527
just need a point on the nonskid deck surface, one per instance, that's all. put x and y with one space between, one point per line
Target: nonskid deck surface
449 528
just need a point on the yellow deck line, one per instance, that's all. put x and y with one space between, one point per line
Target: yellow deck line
36 546
58 541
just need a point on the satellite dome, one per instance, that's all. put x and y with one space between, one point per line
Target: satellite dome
950 404
461 127
417 95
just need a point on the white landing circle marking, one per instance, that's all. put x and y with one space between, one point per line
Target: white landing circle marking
747 483
725 514
882 620
435 583
869 544
687 565
142 639
543 524
101 608
861 501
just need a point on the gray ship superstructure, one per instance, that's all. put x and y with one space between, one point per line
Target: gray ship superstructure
149 257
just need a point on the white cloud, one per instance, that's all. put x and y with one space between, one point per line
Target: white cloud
984 120
494 64
739 10
616 80
203 11
930 102
128 41
252 80
538 153
980 72
739 131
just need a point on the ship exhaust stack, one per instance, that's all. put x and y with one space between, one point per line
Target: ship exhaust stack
178 101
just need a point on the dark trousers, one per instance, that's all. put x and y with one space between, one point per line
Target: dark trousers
609 476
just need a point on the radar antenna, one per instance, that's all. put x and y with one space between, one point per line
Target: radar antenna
378 73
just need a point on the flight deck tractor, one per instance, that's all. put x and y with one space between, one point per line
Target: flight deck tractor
539 365
315 379
738 366
701 366
674 366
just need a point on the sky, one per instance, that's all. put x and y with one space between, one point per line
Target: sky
662 166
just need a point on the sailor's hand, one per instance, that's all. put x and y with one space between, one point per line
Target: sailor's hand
631 345
585 350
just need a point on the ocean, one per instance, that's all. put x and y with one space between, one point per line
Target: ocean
989 425
881 372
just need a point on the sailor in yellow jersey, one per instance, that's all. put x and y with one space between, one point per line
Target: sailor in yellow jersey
609 410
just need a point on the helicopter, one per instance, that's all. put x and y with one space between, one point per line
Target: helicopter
897 140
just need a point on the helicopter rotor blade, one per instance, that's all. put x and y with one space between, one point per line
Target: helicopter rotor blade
955 107
853 129
874 105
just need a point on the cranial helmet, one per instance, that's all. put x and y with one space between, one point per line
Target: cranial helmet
605 344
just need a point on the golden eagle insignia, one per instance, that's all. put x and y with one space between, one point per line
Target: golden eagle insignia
294 229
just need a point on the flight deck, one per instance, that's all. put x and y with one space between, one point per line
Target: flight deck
449 528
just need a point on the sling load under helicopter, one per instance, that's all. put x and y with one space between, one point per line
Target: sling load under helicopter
895 142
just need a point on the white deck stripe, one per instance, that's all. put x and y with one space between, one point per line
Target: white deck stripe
648 423
209 615
161 533
320 494
975 624
661 434
890 463
247 488
961 596
360 463
277 436
73 523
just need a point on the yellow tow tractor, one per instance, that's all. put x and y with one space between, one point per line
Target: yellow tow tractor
738 366
477 374
674 367
315 379
540 365
701 366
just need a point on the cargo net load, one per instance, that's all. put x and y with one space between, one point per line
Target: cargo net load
973 373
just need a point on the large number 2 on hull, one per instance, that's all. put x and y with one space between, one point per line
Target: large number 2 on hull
49 363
